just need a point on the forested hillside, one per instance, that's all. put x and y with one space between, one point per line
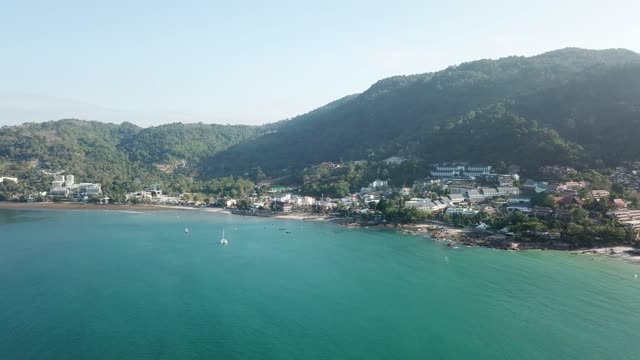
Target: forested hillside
583 103
101 152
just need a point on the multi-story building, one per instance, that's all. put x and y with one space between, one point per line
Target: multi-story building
447 171
475 195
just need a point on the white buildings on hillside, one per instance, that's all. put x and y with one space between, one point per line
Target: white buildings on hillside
447 171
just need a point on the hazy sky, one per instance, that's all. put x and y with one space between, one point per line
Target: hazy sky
253 62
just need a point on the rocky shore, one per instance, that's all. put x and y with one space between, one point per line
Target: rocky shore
453 236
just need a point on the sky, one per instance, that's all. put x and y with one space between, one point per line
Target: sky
254 62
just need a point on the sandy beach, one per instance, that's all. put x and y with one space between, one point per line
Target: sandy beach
305 217
115 207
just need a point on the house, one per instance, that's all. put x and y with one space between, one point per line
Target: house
405 191
599 194
519 200
505 180
424 205
573 185
519 207
474 195
459 189
625 215
489 192
379 184
8 178
619 203
508 190
541 211
476 171
104 200
456 198
59 191
461 210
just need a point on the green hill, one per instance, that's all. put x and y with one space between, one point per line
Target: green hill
586 101
101 152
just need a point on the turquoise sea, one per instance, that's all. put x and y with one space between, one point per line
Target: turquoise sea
118 285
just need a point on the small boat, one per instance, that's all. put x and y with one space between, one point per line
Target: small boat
223 241
186 230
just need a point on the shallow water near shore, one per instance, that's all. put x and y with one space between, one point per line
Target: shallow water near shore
109 285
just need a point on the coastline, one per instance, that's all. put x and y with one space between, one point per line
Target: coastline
436 232
112 207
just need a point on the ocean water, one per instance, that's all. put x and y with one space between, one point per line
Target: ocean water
116 285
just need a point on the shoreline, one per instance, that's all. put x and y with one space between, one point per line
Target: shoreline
435 231
111 207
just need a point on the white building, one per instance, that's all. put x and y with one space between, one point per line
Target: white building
379 184
475 195
461 210
69 180
461 170
519 200
8 178
489 192
86 189
508 190
456 198
423 204
58 177
59 191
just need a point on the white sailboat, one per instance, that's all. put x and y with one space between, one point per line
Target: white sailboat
223 241
186 230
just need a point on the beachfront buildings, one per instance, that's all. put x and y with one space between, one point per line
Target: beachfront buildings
65 186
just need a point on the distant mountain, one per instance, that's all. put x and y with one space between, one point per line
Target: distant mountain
566 106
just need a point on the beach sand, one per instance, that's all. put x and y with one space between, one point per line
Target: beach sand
305 217
117 207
